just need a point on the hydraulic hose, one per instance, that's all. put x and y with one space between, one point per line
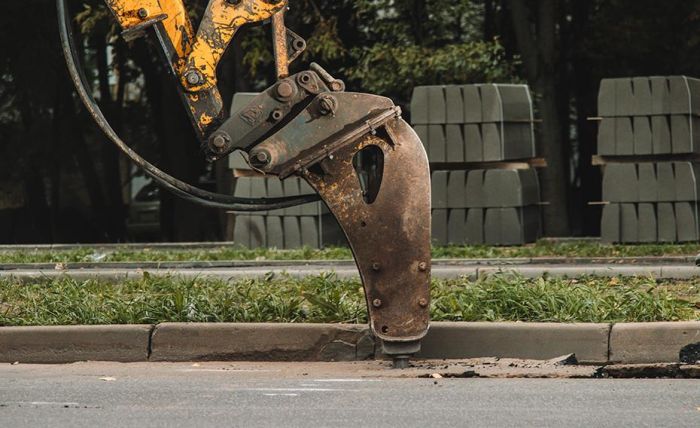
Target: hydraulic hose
170 183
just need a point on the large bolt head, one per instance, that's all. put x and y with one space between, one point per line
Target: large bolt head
327 104
194 77
260 159
285 90
219 142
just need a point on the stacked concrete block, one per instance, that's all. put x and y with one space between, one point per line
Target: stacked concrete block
493 207
474 123
649 116
651 202
648 120
485 124
310 225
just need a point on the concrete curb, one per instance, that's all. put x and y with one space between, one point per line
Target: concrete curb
65 344
633 343
663 342
536 341
350 272
260 342
456 263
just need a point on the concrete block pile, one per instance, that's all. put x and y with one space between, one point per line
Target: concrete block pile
310 225
471 133
649 134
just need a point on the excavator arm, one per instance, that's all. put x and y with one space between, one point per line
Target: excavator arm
354 149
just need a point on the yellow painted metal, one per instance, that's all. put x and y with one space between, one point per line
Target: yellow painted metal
132 13
197 55
220 23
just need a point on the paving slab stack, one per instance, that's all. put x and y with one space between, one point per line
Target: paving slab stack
649 135
310 225
471 133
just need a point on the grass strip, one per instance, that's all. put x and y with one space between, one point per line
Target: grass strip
541 249
325 298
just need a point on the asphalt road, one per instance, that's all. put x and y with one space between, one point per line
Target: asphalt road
326 395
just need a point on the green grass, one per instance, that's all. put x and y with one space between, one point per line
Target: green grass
502 297
540 249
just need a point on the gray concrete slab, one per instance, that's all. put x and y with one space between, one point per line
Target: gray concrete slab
292 232
473 143
687 175
491 138
643 100
455 104
419 106
635 343
535 341
454 144
624 97
648 187
437 107
685 95
661 135
610 223
629 224
606 137
474 234
624 136
666 182
310 231
472 104
606 98
437 144
439 181
647 225
259 342
439 226
687 221
456 226
643 144
666 221
62 344
457 189
660 95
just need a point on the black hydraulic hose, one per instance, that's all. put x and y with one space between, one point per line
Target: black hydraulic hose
170 183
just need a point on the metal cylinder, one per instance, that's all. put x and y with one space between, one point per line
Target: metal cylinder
279 42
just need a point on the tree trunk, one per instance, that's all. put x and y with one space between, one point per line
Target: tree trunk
539 55
589 177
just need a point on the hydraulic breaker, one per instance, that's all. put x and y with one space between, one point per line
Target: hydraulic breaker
363 160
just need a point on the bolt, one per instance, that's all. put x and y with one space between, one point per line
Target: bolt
305 78
327 104
194 77
277 115
285 90
142 13
261 158
376 303
423 302
422 266
376 266
219 142
337 86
